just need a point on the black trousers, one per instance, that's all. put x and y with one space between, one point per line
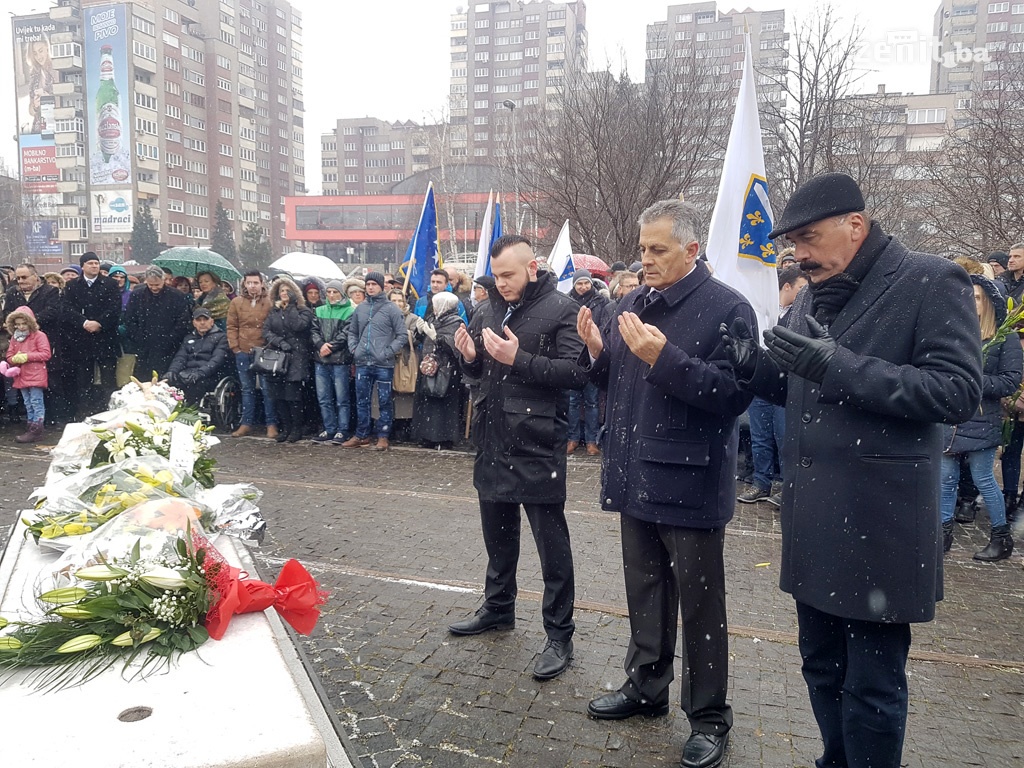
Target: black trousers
856 679
87 397
501 524
669 569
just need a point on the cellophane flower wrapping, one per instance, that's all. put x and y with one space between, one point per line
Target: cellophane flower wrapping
154 526
235 511
78 505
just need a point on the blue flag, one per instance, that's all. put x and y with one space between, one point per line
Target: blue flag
423 254
496 231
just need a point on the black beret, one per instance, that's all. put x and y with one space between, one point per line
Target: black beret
824 196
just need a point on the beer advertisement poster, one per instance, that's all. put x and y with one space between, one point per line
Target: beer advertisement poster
108 95
111 211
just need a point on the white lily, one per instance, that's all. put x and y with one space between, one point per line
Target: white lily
101 572
163 577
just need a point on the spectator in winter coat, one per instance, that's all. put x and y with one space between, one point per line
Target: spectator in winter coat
332 361
93 305
978 439
586 294
376 334
287 328
212 297
28 352
156 322
202 358
313 291
246 315
438 284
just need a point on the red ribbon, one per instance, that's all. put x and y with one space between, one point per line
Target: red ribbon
295 596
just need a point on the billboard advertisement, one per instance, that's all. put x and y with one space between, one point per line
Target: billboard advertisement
41 238
107 95
111 211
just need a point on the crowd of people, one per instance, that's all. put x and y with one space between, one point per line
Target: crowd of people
877 406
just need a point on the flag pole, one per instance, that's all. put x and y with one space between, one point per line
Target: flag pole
415 237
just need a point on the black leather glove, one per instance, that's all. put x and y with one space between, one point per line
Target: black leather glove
284 346
741 347
188 377
806 356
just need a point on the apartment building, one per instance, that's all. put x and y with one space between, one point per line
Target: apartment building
971 38
177 104
507 56
367 156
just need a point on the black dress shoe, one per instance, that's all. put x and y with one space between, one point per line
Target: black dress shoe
618 706
704 750
553 660
481 621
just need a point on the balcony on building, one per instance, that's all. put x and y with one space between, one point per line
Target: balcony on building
64 11
66 56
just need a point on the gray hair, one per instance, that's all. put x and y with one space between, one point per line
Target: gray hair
686 219
1017 247
153 271
30 267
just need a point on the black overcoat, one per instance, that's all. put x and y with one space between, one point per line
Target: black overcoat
860 499
155 325
671 437
520 422
289 329
44 303
100 302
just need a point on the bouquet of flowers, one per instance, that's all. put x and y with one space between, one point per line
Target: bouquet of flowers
151 604
184 445
136 393
76 505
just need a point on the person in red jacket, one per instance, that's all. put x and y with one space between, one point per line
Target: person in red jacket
26 365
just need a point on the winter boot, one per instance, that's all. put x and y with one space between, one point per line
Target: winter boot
33 434
947 535
283 418
966 510
294 421
1011 500
1000 545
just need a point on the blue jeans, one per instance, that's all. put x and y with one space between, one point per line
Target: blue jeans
591 415
247 380
982 464
366 376
34 408
767 427
332 394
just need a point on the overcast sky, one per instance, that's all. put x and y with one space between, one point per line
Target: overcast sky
390 59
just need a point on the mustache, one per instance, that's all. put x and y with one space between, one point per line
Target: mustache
807 266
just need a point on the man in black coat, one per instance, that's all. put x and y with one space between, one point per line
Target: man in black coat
525 357
94 301
156 320
882 347
201 359
585 403
670 471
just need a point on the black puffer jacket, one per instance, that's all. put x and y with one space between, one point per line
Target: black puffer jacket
520 411
288 329
1003 364
601 308
201 357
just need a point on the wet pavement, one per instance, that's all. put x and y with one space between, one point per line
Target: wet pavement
395 537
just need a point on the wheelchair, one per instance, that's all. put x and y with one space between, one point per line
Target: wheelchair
222 405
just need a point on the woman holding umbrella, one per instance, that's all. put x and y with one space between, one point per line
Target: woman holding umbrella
213 298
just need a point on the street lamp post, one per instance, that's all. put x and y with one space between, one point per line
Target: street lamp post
511 105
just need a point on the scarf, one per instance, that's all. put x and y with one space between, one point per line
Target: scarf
830 296
20 336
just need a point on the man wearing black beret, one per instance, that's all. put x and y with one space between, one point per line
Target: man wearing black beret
882 348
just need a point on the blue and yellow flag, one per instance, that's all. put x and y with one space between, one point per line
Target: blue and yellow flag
423 255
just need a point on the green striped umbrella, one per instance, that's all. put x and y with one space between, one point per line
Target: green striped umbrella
189 262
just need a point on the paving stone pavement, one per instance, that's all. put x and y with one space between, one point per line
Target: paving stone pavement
395 537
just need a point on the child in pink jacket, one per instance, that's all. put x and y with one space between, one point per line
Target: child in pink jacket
26 365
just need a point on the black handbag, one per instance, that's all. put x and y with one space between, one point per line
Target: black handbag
269 362
437 384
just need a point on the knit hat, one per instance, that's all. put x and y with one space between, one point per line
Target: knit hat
337 285
353 282
87 257
999 257
582 274
375 277
72 268
824 196
618 266
635 267
443 302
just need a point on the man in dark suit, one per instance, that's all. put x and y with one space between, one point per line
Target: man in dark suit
524 353
669 469
882 347
94 303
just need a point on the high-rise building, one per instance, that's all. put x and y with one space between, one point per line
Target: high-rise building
177 104
367 156
506 56
973 36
